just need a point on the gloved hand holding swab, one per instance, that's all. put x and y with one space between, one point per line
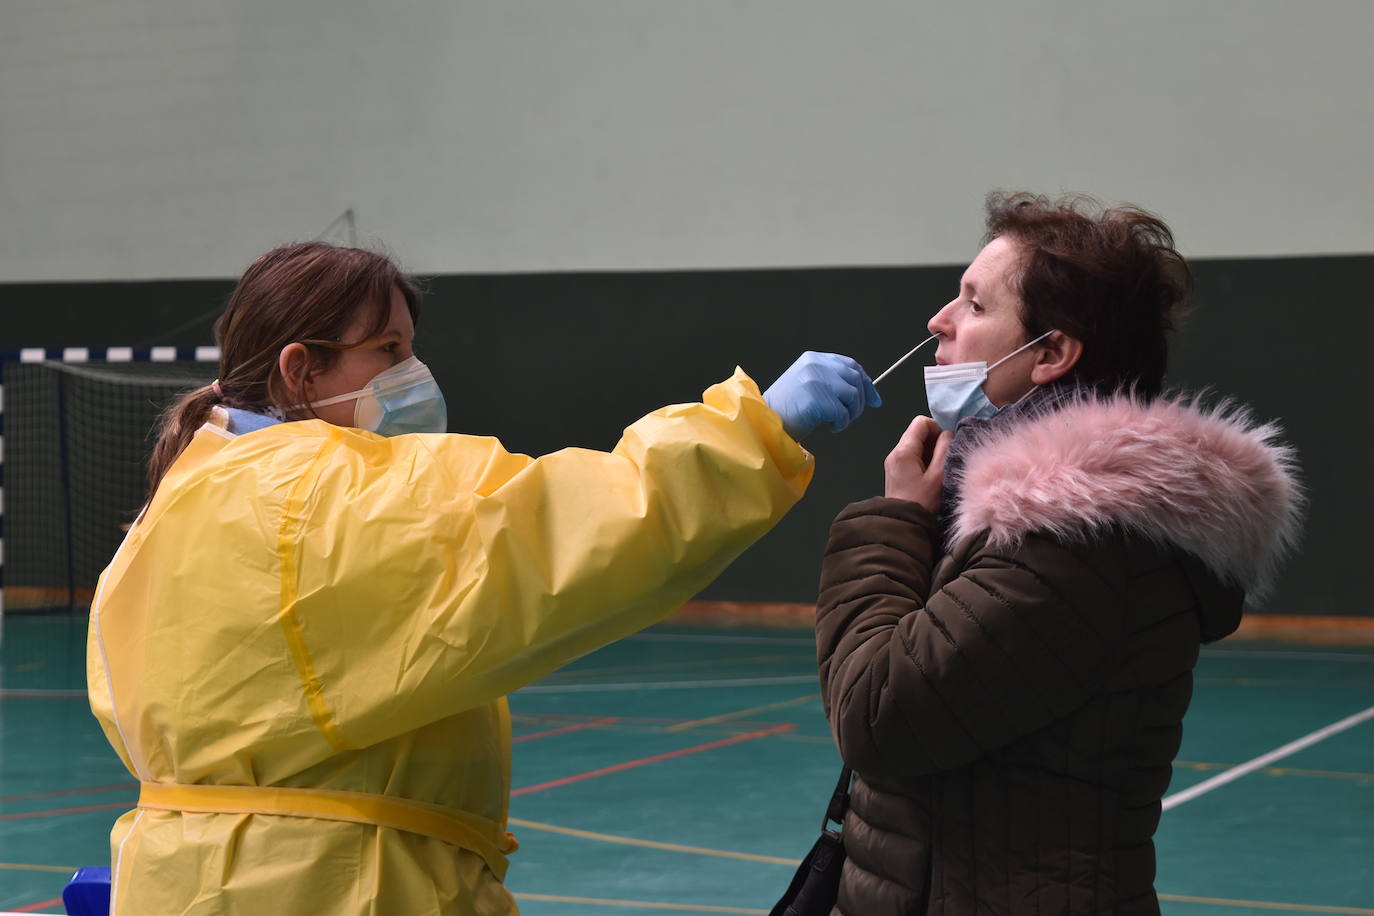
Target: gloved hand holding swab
821 388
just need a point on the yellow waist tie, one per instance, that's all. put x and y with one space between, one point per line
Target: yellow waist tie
460 828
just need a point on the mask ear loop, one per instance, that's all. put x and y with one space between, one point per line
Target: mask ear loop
336 399
1024 346
1013 353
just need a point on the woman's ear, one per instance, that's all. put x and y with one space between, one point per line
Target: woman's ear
293 364
1056 355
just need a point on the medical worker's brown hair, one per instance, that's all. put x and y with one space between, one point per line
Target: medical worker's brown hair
1110 278
304 293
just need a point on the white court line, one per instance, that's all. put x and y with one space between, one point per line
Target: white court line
671 685
1292 654
1292 747
1296 654
693 637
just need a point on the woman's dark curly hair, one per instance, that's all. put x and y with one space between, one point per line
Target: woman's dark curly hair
1109 277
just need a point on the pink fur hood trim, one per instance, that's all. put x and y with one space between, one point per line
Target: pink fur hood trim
1207 480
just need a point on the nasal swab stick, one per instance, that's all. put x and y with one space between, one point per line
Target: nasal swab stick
903 359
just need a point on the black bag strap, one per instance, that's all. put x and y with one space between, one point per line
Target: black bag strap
816 884
839 801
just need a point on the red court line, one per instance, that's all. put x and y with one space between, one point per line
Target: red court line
34 907
657 758
550 732
24 815
123 786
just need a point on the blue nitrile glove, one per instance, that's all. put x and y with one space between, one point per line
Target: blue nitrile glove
821 388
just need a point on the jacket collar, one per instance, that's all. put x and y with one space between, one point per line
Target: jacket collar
1210 481
971 431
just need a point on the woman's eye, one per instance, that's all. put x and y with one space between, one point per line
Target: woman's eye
974 307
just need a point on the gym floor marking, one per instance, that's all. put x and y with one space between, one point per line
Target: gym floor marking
564 730
88 790
590 674
84 809
656 758
713 638
735 811
651 844
743 713
1267 905
1278 771
1289 749
35 907
669 685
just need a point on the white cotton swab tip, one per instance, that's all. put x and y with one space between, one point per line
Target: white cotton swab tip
908 356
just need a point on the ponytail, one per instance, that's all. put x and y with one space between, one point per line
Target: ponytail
176 428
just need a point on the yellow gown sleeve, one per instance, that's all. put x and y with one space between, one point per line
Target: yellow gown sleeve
425 575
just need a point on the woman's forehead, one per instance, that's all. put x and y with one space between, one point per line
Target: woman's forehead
991 271
363 325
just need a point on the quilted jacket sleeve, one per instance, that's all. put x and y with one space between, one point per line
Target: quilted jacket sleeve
915 682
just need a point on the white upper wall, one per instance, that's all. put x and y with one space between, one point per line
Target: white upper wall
179 138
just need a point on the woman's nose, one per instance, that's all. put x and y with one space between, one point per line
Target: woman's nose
940 324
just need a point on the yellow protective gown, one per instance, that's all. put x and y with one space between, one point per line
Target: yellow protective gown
303 647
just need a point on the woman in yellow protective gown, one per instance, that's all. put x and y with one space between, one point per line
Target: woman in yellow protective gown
302 648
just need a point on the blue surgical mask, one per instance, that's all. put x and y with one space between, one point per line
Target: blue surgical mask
956 392
402 399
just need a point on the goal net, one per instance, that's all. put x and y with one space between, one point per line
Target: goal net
78 428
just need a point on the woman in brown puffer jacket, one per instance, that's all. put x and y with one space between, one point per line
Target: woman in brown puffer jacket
1007 637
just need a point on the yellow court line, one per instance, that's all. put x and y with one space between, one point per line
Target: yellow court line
743 713
1276 771
571 674
19 866
1335 774
1267 905
641 904
651 844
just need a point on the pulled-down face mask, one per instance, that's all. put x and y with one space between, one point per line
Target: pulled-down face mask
956 392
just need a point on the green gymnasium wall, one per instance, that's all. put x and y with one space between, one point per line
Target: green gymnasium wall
548 360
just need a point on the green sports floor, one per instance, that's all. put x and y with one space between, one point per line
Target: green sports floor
685 770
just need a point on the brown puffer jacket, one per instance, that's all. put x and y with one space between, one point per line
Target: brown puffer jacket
1011 707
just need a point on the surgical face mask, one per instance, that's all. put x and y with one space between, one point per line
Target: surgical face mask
402 399
956 392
